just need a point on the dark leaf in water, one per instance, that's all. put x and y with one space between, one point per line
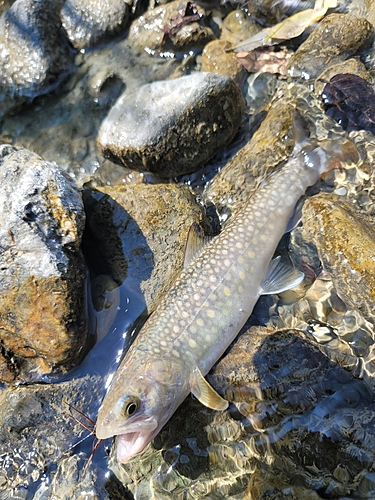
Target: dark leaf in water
350 100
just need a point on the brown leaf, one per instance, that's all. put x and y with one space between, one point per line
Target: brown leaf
265 60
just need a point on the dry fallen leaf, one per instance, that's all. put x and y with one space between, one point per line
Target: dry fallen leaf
265 60
288 28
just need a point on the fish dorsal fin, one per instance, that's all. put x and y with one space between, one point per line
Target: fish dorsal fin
205 393
195 243
280 277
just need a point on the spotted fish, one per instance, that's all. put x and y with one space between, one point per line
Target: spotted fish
205 309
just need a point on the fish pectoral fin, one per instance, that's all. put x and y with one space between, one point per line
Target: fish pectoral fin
280 277
195 243
296 216
205 393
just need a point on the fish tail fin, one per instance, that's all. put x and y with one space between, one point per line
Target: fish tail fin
321 155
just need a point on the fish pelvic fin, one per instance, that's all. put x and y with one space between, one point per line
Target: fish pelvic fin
205 393
280 277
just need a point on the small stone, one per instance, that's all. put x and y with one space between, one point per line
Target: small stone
42 278
89 22
172 127
216 59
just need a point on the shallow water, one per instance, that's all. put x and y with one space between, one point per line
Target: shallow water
312 441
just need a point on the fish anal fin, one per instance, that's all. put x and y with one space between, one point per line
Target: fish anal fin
205 393
280 277
195 243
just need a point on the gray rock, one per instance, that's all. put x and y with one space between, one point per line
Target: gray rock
42 278
336 38
172 127
35 57
89 22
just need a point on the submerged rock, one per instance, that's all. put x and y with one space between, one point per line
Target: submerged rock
336 38
89 22
175 26
35 57
297 421
42 279
174 126
352 66
216 59
346 247
38 433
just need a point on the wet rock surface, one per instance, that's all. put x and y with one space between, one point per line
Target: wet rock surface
172 127
177 26
351 67
337 37
42 304
346 246
35 55
88 22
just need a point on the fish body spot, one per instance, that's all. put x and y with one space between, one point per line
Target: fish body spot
251 255
263 237
227 291
175 353
242 275
240 260
210 313
240 288
200 322
192 343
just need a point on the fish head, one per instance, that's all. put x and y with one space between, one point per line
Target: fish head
139 401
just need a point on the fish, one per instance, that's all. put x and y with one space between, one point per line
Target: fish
206 307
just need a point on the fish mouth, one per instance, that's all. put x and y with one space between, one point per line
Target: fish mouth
132 443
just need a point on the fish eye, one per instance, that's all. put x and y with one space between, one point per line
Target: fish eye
130 406
131 409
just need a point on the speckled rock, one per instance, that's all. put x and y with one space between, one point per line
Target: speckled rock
42 278
174 126
216 59
89 22
336 38
171 27
352 66
35 55
138 234
289 424
346 247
